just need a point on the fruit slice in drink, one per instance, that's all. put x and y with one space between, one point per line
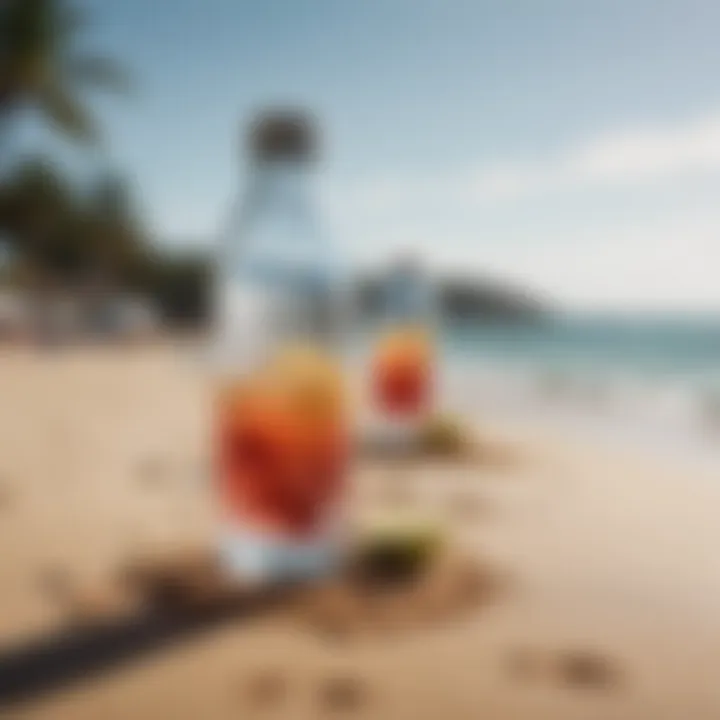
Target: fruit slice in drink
283 443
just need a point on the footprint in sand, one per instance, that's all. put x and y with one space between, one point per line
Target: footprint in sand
342 694
266 688
579 669
585 669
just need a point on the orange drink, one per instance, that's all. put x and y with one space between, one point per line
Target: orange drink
402 372
282 443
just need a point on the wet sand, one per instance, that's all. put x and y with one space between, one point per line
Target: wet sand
612 607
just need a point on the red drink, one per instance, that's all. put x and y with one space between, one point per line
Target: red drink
282 443
402 373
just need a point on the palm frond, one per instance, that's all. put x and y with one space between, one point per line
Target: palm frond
39 64
70 20
67 113
27 27
97 71
28 44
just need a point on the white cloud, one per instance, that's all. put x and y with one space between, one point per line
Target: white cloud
649 153
636 156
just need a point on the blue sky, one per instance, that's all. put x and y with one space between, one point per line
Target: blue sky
570 145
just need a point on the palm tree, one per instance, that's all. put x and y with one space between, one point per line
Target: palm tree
41 70
37 209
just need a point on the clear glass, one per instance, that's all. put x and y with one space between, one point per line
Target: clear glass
403 361
281 407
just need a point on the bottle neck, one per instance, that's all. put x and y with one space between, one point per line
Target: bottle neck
279 186
276 232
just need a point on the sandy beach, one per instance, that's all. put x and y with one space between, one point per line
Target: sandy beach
610 609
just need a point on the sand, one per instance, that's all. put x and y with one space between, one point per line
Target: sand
612 605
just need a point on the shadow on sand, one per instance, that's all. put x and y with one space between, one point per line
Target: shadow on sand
35 668
388 583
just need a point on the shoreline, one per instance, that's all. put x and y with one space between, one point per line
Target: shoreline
660 423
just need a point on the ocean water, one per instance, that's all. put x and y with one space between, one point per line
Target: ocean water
649 380
663 346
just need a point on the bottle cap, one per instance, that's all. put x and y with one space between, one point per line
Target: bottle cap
283 134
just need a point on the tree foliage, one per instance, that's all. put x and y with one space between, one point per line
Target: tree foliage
62 235
54 232
41 68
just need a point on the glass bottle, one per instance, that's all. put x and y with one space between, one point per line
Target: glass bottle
281 415
403 364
